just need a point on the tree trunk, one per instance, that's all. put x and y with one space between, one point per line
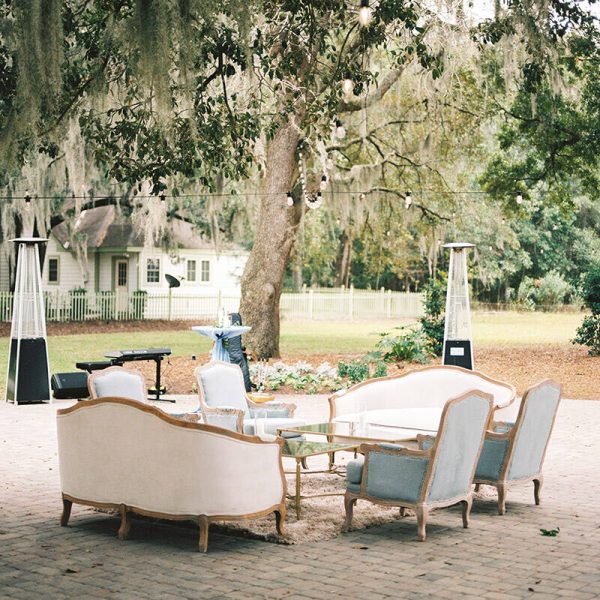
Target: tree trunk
263 277
344 259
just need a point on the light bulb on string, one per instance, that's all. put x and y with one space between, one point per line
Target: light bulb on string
290 199
364 13
362 197
407 200
323 183
162 197
27 199
347 85
519 198
340 131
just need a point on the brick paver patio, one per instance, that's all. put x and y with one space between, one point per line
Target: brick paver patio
498 557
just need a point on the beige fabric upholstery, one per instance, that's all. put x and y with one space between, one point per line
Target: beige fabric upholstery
115 452
430 387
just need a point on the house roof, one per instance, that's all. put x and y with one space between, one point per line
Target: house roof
106 229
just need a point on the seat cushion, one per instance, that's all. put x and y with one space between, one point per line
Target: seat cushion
354 470
120 383
491 459
272 425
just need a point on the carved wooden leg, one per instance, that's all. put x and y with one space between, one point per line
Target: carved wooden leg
422 512
402 511
280 520
304 464
537 486
501 498
203 537
66 513
349 503
466 511
331 460
125 524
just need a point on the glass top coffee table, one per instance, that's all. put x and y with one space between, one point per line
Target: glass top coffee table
349 432
300 450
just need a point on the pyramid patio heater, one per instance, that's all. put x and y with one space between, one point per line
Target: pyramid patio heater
458 349
27 381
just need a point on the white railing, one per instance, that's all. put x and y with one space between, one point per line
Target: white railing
309 304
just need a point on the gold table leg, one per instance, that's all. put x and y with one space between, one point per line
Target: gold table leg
298 463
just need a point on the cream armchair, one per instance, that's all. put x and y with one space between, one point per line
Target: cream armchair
514 452
224 402
429 478
117 381
122 454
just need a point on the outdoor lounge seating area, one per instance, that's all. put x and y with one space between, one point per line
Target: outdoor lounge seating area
116 451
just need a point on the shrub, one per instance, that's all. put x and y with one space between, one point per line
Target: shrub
432 324
356 371
139 301
552 289
79 303
412 345
526 293
588 333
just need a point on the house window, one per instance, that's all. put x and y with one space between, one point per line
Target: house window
205 272
191 270
153 270
122 273
53 270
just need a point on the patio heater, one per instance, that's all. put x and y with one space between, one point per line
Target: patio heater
27 381
458 349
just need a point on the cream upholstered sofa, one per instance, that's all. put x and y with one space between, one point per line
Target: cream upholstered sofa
119 453
414 399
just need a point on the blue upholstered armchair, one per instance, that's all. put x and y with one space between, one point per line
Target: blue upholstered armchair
422 479
224 403
514 452
117 382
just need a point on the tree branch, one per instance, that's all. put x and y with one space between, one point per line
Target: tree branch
389 80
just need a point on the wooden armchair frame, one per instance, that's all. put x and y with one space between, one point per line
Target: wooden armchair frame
502 483
208 410
422 505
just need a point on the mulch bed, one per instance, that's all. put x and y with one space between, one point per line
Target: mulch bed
522 366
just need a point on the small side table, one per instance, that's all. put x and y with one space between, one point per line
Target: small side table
219 335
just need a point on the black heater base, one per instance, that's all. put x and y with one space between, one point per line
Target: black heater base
458 353
32 384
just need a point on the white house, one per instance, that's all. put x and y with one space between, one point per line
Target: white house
118 261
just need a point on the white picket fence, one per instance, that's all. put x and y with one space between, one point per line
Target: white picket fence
309 304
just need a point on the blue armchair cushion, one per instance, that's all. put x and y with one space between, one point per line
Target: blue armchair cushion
354 470
272 413
491 459
271 426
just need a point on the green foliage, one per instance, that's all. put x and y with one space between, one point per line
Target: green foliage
588 333
139 301
432 324
552 290
356 371
409 346
591 289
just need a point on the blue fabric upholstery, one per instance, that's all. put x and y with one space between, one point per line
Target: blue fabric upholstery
120 383
223 387
534 431
354 470
272 413
353 487
221 420
271 426
458 448
392 477
491 459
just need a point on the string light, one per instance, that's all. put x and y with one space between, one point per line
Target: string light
162 197
290 199
364 13
323 183
347 85
407 200
27 199
519 198
340 131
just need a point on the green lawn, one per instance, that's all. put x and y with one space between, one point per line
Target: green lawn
309 337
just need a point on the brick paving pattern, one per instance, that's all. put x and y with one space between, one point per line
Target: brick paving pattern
497 557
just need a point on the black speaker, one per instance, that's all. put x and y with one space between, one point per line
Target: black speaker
70 385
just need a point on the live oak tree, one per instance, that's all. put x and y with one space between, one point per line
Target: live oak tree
183 96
